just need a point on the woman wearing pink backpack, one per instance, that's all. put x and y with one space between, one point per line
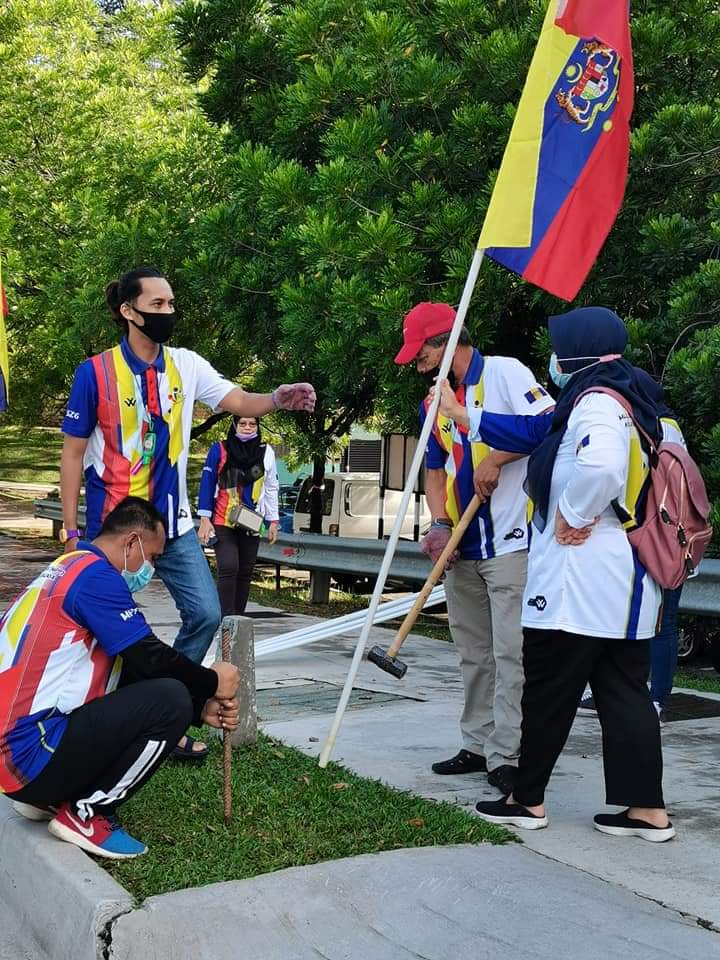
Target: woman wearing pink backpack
590 606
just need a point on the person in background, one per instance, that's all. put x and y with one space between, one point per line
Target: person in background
590 607
485 585
664 646
240 470
91 702
127 431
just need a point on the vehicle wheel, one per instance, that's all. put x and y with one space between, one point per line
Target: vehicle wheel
688 644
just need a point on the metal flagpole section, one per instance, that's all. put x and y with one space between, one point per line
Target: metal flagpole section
402 509
350 623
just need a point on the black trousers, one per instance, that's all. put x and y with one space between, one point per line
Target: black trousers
557 667
236 552
112 746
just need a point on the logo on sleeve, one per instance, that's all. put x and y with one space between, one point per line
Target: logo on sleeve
129 614
537 393
72 414
538 602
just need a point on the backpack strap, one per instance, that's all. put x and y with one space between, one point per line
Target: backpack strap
627 407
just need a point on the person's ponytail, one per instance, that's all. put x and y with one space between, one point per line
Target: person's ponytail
112 298
126 289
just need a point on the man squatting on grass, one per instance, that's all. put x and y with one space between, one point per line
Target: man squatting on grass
91 702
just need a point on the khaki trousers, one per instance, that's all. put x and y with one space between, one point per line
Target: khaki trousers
484 599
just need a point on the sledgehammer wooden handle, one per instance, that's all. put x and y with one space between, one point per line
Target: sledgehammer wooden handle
435 574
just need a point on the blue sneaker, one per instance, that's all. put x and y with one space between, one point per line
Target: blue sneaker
101 836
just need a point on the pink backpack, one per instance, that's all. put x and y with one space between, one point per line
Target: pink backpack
671 540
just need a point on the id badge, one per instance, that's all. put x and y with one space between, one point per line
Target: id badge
148 447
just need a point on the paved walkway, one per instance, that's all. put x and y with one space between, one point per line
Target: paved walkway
568 889
396 740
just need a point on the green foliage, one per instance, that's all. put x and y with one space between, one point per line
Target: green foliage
344 177
363 142
105 161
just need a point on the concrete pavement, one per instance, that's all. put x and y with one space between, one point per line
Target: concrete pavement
567 891
441 903
397 740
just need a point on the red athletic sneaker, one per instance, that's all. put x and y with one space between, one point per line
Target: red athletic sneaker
98 835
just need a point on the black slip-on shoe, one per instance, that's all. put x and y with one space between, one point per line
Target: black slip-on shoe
462 762
503 778
621 825
510 815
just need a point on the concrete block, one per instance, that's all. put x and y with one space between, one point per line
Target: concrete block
242 654
58 894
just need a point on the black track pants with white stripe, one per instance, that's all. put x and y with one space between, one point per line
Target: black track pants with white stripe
112 746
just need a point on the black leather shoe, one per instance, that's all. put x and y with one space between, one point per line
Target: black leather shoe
503 778
462 762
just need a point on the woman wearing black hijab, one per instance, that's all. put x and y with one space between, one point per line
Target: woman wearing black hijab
590 607
239 471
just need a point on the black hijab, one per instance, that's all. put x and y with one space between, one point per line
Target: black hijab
245 462
589 332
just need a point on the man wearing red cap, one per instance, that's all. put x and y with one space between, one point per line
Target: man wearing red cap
485 583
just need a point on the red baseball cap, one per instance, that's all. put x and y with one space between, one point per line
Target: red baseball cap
423 321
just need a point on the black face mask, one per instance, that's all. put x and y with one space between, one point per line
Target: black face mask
432 375
158 326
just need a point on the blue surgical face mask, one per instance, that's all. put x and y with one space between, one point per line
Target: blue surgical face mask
559 378
140 578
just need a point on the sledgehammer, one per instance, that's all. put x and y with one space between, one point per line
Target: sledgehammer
387 659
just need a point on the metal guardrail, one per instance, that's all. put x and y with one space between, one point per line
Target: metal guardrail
308 551
346 555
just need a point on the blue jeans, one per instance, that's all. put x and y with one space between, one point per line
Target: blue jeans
664 648
185 572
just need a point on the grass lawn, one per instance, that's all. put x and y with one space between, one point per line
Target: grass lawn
708 682
33 456
30 456
287 812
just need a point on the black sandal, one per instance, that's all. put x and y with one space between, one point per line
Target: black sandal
186 754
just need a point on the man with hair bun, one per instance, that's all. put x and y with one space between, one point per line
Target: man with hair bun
127 432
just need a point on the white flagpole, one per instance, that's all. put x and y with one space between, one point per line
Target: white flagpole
409 484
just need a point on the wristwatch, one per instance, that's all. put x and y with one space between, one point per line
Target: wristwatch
65 535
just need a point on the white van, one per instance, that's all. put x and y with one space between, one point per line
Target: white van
351 507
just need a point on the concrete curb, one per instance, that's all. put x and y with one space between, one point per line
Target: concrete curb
436 903
59 895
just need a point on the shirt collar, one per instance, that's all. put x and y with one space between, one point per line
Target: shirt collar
89 545
474 371
140 366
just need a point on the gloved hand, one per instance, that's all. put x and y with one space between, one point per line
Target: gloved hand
294 396
435 541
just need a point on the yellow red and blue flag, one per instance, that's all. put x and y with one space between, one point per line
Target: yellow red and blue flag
562 178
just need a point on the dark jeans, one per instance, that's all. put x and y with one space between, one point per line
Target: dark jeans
111 747
664 648
557 667
236 552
